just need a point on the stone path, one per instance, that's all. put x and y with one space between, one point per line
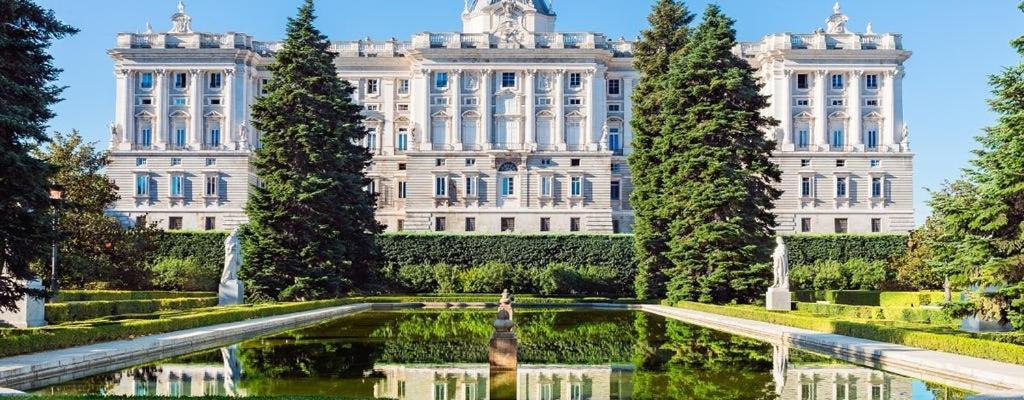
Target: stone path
950 369
46 368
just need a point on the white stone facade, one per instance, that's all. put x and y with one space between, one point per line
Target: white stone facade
507 126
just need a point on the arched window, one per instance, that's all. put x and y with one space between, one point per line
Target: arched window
508 167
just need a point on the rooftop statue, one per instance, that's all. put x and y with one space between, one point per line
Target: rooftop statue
837 21
181 22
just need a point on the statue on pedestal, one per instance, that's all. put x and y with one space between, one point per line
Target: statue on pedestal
779 297
503 352
231 289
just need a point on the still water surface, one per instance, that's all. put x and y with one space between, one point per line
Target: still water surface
563 355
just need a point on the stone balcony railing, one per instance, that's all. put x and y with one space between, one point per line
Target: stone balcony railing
542 40
822 41
184 41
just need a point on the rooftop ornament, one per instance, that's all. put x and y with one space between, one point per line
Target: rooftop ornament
181 22
837 21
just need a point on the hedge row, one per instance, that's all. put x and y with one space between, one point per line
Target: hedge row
21 341
962 344
519 300
206 248
85 310
872 298
807 249
122 295
552 279
905 314
527 250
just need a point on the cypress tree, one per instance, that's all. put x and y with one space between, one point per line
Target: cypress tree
312 223
26 93
718 174
982 241
667 35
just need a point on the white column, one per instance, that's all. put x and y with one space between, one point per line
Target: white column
124 115
486 110
530 130
889 100
785 109
820 111
195 108
161 125
856 132
421 88
386 138
598 104
227 130
456 106
627 109
588 130
559 101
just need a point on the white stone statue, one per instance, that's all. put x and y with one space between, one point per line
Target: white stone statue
780 261
243 132
905 141
232 257
114 136
181 22
837 21
604 136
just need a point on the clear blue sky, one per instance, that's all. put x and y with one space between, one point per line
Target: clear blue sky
956 45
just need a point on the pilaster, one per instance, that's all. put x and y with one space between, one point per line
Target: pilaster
124 110
195 109
820 140
785 107
227 131
888 100
853 107
559 102
161 125
530 128
627 108
487 108
455 87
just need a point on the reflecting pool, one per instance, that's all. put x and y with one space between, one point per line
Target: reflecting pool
563 354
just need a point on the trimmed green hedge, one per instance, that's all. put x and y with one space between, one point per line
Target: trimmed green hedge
21 341
121 295
526 250
493 298
872 298
952 342
84 310
905 314
806 249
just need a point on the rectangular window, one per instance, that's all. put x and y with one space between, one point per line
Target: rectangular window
508 224
803 102
264 90
841 187
614 87
546 183
211 186
470 162
614 108
508 186
210 224
837 102
803 139
180 101
440 224
402 189
840 163
439 162
400 226
401 167
871 81
806 187
146 81
875 163
616 191
575 80
215 101
615 141
177 186
547 162
508 79
616 226
140 162
180 80
147 137
805 162
372 86
372 107
146 101
403 107
837 81
838 138
441 80
543 101
440 186
576 186
802 82
140 220
175 161
403 86
841 225
616 168
216 80
575 101
215 137
876 188
174 223
575 162
210 162
470 224
470 186
574 224
876 225
403 139
805 225
545 224
872 139
371 139
142 185
872 103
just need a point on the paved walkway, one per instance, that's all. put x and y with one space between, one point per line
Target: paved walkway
42 369
950 369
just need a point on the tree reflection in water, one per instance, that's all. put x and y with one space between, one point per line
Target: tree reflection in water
563 355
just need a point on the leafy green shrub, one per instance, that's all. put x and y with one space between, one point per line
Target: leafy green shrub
114 295
829 275
185 274
493 277
911 299
571 280
852 274
865 275
808 249
85 310
906 314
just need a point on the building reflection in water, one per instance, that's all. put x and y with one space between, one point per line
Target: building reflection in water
471 382
183 380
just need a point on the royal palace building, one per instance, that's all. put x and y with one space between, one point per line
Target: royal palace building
506 126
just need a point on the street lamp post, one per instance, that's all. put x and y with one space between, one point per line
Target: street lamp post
55 195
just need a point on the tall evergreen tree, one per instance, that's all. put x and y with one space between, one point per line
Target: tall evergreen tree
667 35
983 216
718 174
312 222
26 93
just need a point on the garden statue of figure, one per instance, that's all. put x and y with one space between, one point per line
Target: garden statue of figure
232 291
502 351
778 297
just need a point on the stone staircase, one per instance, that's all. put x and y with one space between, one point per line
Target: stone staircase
418 223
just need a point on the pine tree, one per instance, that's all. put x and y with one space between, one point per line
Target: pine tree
718 176
312 223
667 35
26 93
983 216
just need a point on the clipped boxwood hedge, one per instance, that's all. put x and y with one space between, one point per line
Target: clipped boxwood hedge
122 295
806 249
84 310
22 341
872 298
957 343
905 314
911 299
527 250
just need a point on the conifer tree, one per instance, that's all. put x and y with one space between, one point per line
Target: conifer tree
312 223
983 215
667 35
26 93
718 175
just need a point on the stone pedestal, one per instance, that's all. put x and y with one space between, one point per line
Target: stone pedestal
232 293
779 299
503 385
977 324
31 310
502 353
